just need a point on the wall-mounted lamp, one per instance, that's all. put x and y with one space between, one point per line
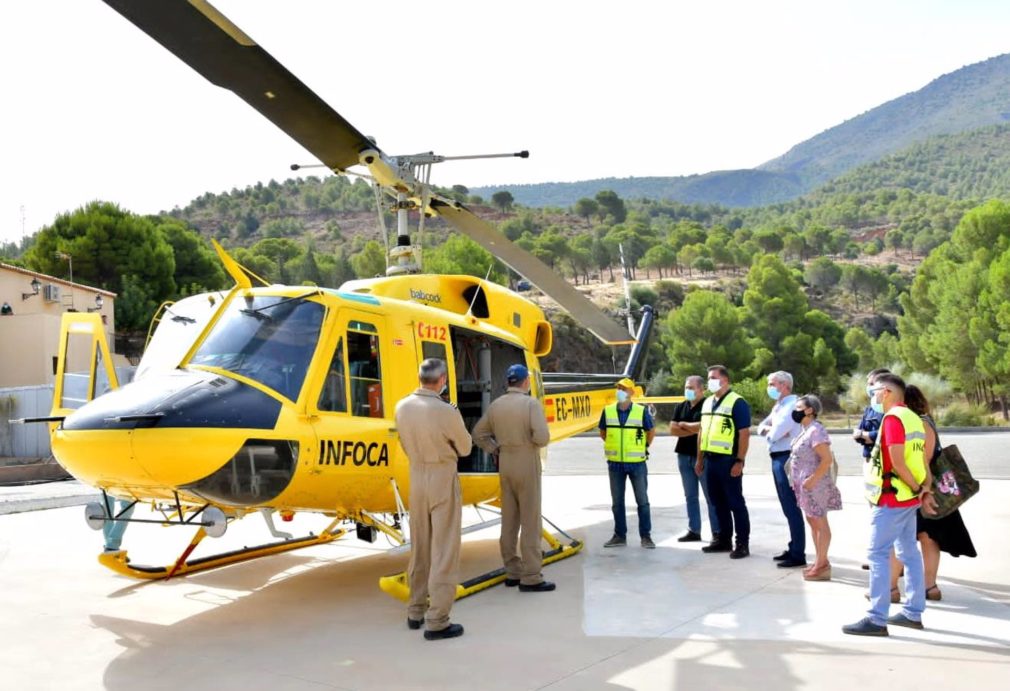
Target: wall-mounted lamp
36 286
98 304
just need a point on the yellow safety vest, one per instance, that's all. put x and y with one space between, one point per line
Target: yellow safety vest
718 432
915 458
625 443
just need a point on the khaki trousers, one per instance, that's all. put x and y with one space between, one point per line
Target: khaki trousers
435 521
519 470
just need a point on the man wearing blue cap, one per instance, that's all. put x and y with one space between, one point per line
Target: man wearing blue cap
514 428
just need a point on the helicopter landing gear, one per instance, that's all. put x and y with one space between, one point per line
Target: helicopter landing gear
397 584
120 563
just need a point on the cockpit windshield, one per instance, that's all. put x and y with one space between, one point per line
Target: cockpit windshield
267 339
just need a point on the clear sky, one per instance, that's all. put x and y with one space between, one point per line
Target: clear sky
94 109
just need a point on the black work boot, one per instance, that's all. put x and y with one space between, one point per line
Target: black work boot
742 550
717 546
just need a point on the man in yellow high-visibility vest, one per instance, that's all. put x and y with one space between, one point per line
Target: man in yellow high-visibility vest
722 449
627 430
896 477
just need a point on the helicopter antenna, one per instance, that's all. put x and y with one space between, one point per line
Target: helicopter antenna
627 291
425 198
382 219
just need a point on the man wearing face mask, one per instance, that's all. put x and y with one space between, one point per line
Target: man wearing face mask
627 431
896 478
515 428
780 429
866 433
722 448
685 425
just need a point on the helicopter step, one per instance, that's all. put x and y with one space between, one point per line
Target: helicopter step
398 586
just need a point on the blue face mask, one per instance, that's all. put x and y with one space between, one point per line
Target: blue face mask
773 393
869 393
622 396
877 407
690 394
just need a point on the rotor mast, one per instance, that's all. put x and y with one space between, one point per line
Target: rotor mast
406 179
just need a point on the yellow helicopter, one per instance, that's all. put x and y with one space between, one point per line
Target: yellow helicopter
279 399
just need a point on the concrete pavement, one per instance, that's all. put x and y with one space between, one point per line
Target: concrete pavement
672 618
48 495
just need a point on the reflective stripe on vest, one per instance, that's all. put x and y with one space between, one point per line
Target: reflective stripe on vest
915 458
718 432
625 443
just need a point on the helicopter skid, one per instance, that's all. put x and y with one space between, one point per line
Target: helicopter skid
397 584
118 561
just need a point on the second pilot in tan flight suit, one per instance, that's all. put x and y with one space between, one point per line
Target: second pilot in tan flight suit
515 428
434 436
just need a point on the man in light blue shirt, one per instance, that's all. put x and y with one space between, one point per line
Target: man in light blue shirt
779 430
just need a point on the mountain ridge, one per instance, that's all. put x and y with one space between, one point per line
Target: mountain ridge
972 97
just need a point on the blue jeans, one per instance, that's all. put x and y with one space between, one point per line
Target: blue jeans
691 481
639 476
895 527
113 531
727 495
787 500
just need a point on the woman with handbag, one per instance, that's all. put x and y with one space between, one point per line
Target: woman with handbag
810 472
947 534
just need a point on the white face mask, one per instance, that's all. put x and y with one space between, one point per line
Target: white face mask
622 396
714 385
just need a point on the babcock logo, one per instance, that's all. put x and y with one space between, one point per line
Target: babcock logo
425 297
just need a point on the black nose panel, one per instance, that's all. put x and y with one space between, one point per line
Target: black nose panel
181 398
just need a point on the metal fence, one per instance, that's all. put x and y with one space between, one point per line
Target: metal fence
25 441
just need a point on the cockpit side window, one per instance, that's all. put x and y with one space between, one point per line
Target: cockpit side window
334 395
364 369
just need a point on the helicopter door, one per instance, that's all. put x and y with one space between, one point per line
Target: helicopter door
353 381
351 408
479 368
84 369
461 390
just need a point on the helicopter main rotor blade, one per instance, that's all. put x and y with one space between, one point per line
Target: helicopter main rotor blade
535 271
203 38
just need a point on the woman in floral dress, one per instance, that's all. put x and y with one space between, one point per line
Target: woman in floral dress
811 478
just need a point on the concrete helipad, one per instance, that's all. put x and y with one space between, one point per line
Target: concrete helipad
629 618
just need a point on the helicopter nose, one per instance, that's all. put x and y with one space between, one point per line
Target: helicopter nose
163 432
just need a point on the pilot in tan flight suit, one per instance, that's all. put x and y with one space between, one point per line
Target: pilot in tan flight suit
515 428
434 436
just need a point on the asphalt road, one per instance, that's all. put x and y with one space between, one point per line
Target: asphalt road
987 454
